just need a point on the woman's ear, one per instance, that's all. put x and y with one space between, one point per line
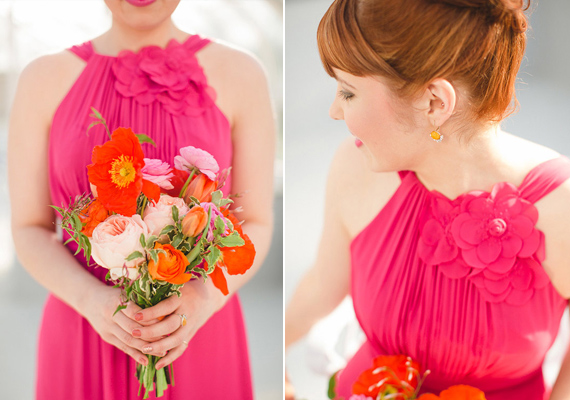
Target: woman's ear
437 102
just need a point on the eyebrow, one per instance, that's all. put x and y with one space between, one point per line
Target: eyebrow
345 82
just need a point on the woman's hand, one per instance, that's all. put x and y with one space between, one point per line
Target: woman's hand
168 338
114 329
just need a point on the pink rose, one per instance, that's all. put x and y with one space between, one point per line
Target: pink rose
159 215
114 240
158 172
190 157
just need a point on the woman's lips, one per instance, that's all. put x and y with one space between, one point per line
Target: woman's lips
140 3
358 142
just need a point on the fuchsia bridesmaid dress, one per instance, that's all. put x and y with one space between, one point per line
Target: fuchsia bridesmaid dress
164 94
458 286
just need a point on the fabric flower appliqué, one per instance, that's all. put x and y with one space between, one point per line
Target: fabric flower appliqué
489 237
172 76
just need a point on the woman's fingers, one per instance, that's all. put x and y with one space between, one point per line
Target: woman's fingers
172 355
131 312
158 330
127 344
164 308
162 347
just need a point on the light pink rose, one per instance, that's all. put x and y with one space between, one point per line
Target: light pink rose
191 157
158 215
159 172
114 240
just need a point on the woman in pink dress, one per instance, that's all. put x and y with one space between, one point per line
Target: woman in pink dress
181 90
450 234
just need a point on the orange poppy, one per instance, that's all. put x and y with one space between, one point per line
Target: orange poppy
428 396
218 278
93 215
394 374
116 173
238 260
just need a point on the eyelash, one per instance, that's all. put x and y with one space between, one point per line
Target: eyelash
346 96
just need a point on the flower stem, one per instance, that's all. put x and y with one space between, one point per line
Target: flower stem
183 191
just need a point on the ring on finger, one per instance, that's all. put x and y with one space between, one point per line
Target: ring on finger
183 319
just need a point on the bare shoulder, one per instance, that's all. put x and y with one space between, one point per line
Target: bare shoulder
358 192
44 82
235 74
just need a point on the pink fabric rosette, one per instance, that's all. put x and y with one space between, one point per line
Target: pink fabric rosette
172 76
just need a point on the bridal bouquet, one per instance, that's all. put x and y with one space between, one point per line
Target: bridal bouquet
398 377
155 228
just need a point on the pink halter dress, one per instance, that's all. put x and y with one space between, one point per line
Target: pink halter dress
164 94
458 286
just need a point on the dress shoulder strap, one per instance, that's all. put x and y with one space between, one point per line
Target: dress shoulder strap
83 51
544 178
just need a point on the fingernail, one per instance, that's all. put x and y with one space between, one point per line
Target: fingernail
143 361
147 349
136 333
138 316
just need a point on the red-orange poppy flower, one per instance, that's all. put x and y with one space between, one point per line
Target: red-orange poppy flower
238 260
116 172
390 374
92 216
218 278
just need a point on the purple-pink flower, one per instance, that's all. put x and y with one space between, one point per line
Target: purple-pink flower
213 214
158 172
172 76
190 157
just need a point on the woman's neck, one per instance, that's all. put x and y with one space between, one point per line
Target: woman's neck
122 37
457 166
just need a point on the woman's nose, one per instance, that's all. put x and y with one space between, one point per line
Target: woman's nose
335 110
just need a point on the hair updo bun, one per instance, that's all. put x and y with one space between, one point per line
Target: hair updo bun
478 44
509 13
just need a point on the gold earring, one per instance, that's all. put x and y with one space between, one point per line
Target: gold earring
436 136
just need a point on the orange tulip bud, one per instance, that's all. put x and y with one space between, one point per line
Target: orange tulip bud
201 188
92 216
195 221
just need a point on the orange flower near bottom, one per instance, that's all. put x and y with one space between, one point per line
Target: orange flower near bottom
428 396
457 392
171 267
389 374
92 216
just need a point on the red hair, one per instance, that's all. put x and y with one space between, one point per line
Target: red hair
478 44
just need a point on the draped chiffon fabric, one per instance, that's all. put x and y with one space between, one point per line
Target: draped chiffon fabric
162 93
458 285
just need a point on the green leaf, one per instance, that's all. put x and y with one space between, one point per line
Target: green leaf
166 229
150 242
160 294
154 256
119 308
177 240
97 113
134 255
225 202
77 224
216 197
213 256
332 389
143 243
144 139
232 240
219 225
175 213
201 272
